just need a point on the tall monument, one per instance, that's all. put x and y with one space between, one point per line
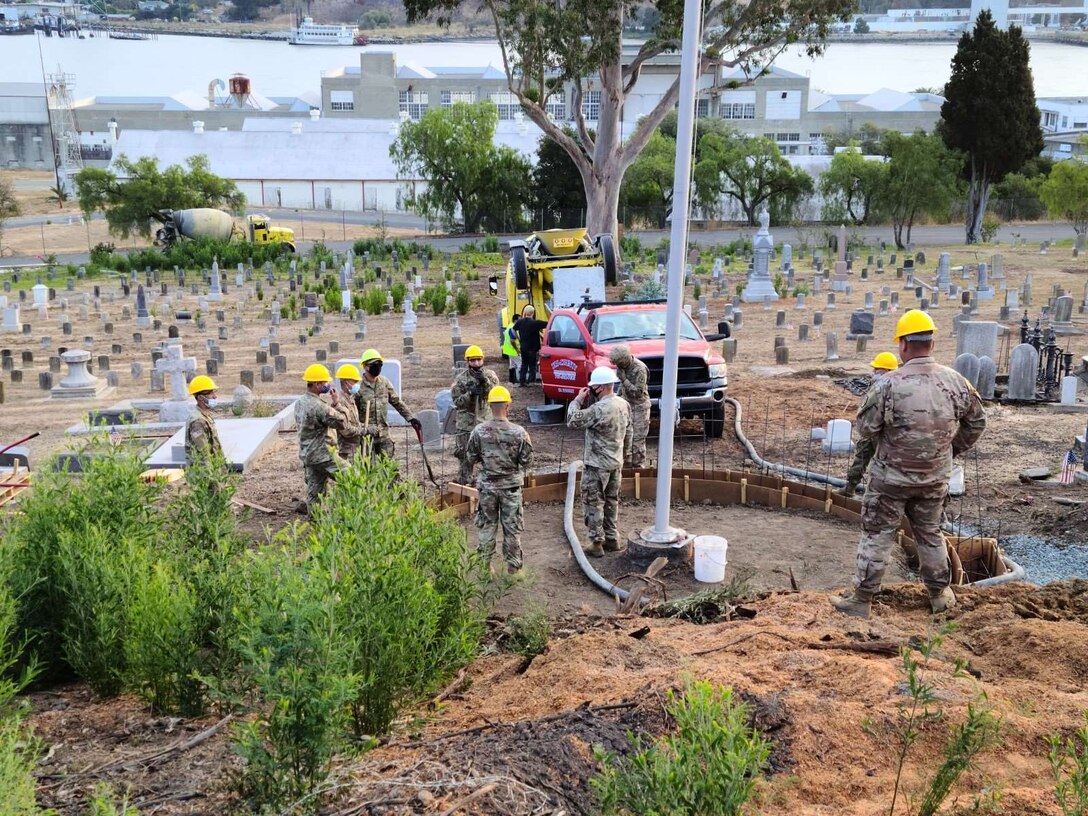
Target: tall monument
760 287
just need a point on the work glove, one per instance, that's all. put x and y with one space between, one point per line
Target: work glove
372 430
416 424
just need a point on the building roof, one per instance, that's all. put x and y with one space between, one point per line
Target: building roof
22 89
774 71
326 149
192 101
885 100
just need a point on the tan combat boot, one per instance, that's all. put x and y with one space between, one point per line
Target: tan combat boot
942 601
856 603
595 550
611 545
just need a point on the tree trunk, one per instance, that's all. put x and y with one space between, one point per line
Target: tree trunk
603 200
978 197
897 229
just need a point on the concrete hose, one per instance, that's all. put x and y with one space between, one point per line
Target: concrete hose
777 467
576 546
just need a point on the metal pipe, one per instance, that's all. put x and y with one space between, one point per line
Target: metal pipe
689 63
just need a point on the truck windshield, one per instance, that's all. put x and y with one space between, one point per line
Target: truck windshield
617 327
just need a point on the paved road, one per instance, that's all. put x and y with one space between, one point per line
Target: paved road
924 236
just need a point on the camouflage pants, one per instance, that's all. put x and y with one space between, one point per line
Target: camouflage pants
460 453
600 503
381 445
317 478
882 509
640 427
500 506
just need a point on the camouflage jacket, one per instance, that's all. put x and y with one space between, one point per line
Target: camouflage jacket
380 395
635 382
201 438
504 451
920 416
608 431
469 395
315 424
352 429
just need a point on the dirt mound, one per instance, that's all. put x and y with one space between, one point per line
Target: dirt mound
824 688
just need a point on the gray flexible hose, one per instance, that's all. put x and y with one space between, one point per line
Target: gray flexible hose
576 546
778 467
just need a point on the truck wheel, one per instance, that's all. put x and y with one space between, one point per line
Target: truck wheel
608 256
520 267
714 423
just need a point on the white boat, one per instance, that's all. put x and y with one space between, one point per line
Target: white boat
307 32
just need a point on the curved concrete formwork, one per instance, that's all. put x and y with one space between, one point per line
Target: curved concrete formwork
719 487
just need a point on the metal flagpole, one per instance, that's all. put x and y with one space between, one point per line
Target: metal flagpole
691 52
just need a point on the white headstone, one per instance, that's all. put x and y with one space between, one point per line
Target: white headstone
837 437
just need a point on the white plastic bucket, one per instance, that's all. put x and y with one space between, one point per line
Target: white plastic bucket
956 483
710 558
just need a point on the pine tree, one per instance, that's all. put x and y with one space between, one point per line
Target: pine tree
989 112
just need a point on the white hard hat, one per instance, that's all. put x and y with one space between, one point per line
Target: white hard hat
603 375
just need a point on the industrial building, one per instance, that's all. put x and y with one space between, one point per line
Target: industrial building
24 126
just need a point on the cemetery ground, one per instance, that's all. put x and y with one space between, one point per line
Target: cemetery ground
824 688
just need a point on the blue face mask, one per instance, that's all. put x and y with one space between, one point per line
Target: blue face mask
354 389
326 388
213 403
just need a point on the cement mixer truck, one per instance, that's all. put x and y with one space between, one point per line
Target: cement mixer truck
205 222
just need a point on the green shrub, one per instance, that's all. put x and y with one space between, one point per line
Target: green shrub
103 803
294 657
332 299
435 298
399 291
1069 764
630 246
491 243
462 302
416 618
527 634
696 291
320 252
100 255
708 766
374 300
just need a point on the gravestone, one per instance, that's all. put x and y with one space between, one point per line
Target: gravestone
838 281
861 324
12 322
968 365
997 267
1061 320
832 347
837 437
176 366
143 317
944 271
1069 390
216 290
1023 369
978 337
987 378
760 287
983 289
78 383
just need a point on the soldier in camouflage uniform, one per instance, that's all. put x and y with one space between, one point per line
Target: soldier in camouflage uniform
375 396
634 379
920 417
504 452
470 399
608 443
315 420
201 438
882 364
349 437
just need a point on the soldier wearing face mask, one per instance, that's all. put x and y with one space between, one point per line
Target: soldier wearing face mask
375 396
350 436
316 420
469 393
201 438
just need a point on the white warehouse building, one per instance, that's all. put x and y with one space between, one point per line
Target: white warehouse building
313 164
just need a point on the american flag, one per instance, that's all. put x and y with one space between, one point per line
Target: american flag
1069 467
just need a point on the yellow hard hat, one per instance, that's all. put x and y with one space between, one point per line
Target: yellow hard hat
474 351
369 356
316 373
499 393
348 372
200 384
914 321
885 360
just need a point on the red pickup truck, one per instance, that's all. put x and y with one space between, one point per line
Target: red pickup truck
578 340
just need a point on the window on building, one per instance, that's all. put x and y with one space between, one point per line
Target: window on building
341 101
702 108
414 103
1080 125
1050 119
591 105
556 107
507 104
812 137
451 98
787 137
738 110
1065 122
